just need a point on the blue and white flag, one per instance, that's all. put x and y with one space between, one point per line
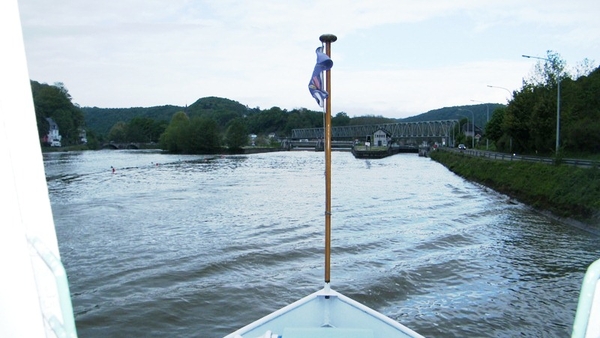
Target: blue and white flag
315 86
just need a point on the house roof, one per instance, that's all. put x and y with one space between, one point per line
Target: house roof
53 124
383 130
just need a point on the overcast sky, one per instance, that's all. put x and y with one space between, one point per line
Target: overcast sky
394 58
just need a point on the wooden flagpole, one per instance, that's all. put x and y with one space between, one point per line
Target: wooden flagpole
327 39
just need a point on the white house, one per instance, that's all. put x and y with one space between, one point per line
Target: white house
82 136
53 136
380 138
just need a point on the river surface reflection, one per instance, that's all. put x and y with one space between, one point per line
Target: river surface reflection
198 246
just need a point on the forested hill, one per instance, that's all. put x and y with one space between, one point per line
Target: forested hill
480 112
101 120
222 110
527 124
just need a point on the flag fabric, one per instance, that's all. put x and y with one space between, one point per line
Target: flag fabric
315 86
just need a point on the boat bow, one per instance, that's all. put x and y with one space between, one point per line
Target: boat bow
325 313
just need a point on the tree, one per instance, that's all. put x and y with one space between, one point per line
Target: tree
55 102
584 136
118 133
340 119
93 142
548 72
190 136
584 68
580 120
301 118
530 120
542 123
43 125
272 120
63 90
171 139
100 120
158 127
370 119
202 136
141 129
493 129
516 122
237 134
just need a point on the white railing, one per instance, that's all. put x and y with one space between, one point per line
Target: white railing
66 327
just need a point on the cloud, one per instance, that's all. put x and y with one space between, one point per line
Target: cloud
406 92
431 54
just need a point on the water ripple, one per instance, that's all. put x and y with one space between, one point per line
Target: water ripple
193 246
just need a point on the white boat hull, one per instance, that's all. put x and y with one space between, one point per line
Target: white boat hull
587 318
325 313
34 297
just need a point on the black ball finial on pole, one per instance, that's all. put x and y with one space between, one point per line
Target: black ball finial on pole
328 38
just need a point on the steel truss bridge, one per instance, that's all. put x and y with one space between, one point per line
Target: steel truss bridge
400 130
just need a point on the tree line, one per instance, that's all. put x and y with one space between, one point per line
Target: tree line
212 123
208 125
206 134
528 123
54 101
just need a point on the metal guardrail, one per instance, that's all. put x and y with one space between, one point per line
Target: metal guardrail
515 157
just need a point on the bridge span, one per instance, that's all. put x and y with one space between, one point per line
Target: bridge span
399 130
125 145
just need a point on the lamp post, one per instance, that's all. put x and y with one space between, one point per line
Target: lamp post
509 93
473 137
487 108
557 100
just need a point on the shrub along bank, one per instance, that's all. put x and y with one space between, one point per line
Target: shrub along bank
564 190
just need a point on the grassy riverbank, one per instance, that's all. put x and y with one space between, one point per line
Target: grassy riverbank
565 191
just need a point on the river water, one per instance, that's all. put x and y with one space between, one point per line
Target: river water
198 246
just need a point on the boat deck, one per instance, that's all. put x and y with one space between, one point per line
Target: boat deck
325 313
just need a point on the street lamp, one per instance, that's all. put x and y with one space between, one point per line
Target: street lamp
472 138
509 93
557 100
487 107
